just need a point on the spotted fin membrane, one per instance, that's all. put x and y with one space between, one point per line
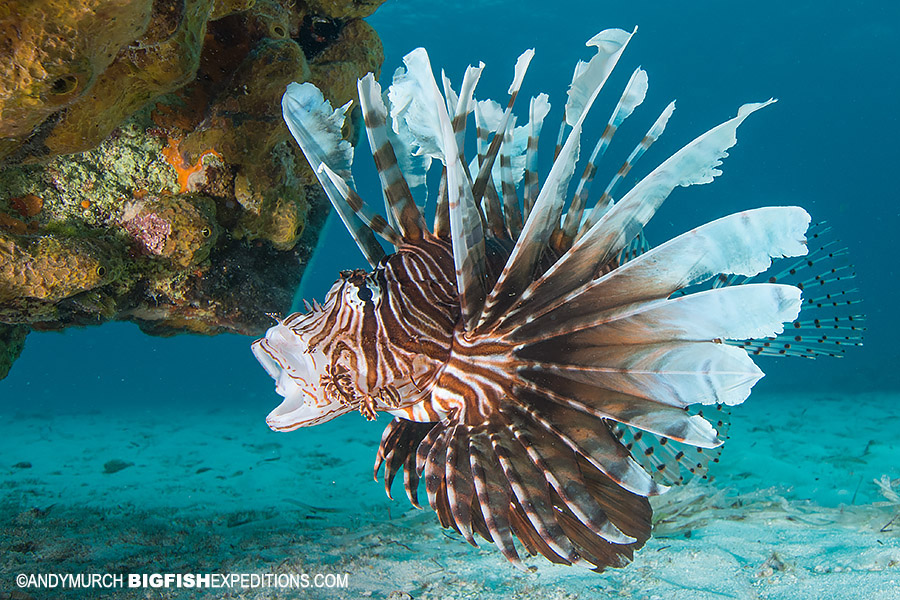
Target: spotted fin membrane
829 321
828 324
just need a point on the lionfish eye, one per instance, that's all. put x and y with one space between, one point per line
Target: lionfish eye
101 270
364 293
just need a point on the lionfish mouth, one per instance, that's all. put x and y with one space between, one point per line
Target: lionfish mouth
296 376
290 414
286 416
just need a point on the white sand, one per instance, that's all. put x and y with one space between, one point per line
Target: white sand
792 511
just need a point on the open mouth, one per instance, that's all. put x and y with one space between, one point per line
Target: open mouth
289 414
296 378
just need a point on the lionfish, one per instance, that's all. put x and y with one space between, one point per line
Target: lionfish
539 359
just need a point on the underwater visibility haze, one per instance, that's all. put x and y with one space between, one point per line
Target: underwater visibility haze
553 372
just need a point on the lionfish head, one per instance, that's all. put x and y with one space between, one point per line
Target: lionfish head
310 360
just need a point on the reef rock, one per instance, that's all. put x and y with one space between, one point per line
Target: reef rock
12 340
145 171
54 51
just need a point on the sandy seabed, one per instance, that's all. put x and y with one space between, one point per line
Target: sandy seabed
792 511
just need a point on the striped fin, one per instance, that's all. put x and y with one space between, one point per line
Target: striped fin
574 389
740 312
537 112
460 112
590 76
466 232
414 167
744 243
488 116
510 477
590 439
632 97
511 212
533 494
317 130
610 44
374 221
674 373
442 210
694 164
671 462
605 200
544 217
561 471
494 495
829 322
484 174
398 447
405 212
435 483
460 482
465 104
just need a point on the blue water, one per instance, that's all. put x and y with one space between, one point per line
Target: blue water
829 145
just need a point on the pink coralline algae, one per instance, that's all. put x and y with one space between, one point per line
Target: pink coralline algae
150 231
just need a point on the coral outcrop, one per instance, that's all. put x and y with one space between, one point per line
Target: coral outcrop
145 171
12 340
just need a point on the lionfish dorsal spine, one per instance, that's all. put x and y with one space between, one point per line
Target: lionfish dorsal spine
377 223
605 200
632 97
485 169
488 118
399 197
548 206
317 129
537 112
466 232
511 211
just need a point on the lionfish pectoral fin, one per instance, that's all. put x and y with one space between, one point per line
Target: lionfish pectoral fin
694 164
829 322
743 243
399 442
672 462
